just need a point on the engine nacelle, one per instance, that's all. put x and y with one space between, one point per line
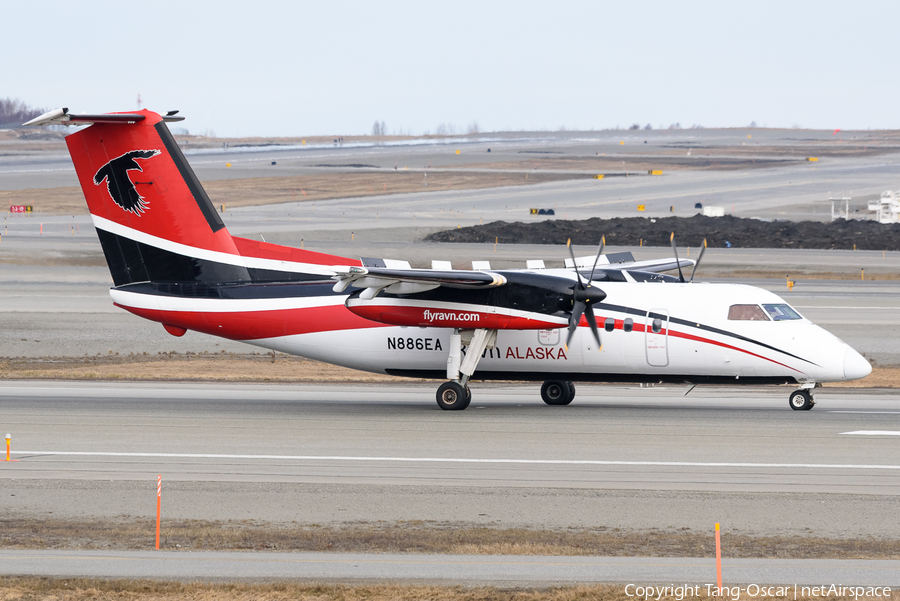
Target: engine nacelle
422 313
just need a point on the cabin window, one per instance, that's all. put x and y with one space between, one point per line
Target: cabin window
746 313
781 312
628 324
656 326
610 324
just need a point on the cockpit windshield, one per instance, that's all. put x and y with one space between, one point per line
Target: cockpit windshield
746 313
781 312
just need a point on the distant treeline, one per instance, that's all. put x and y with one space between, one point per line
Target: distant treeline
14 112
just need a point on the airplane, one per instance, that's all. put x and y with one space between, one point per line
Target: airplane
613 319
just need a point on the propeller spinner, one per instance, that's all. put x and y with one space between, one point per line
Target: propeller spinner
583 298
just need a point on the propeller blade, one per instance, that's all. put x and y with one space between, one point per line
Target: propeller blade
597 258
589 315
677 262
574 264
574 320
700 258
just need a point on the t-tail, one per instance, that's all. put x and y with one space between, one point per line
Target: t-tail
154 219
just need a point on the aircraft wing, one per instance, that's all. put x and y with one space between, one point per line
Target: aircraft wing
652 266
410 281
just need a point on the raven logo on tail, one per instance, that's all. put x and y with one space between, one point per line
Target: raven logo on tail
120 186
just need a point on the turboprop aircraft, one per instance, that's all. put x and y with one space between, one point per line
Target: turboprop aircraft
600 319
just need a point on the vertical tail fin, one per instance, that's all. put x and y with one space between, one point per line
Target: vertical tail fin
154 220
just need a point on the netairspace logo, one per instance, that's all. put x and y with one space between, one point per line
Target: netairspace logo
679 592
432 316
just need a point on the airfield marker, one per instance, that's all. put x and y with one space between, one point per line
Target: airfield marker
718 560
159 504
7 447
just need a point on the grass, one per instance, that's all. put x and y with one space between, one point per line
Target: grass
273 190
421 537
78 589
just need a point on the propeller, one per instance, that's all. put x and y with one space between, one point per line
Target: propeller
677 262
700 258
583 297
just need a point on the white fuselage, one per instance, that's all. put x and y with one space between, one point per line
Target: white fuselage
693 337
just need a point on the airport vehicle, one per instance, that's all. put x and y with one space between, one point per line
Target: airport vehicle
173 261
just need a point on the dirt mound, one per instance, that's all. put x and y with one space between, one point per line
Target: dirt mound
719 232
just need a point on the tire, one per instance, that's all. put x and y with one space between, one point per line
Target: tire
571 387
555 392
452 396
800 400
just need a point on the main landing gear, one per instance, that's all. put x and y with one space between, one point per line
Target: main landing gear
801 400
455 394
557 392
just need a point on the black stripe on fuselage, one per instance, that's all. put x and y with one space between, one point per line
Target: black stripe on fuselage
190 178
246 291
699 326
131 262
538 376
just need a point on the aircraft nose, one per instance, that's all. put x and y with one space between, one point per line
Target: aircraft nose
855 365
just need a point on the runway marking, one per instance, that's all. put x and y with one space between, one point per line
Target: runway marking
835 307
875 432
867 412
464 460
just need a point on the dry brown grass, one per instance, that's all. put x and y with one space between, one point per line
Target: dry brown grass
78 589
272 190
251 367
421 537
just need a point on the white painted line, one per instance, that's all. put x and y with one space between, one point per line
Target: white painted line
875 432
836 307
459 460
867 412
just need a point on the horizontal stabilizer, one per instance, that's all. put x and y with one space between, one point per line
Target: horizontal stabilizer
62 117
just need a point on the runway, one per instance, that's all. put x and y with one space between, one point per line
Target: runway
648 456
631 458
469 570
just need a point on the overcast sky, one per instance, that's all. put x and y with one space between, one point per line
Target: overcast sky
332 67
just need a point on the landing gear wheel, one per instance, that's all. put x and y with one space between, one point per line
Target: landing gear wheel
801 400
571 388
453 396
556 392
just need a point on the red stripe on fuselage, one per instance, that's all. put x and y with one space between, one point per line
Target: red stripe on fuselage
447 318
640 327
254 325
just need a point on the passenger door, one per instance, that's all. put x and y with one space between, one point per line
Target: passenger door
656 335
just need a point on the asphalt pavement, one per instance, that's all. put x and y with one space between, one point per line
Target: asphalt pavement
469 570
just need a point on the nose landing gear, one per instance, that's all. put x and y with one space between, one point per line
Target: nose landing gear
801 400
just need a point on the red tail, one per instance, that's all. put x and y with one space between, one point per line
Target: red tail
154 220
135 176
